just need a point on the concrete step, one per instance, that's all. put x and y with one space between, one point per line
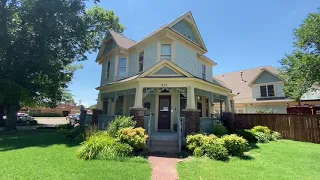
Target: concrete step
163 143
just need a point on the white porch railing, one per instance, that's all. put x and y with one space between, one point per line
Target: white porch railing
147 126
180 129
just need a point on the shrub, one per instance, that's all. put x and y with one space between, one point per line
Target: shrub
263 129
262 137
194 141
198 151
101 145
116 151
33 122
275 136
135 137
235 145
248 134
219 129
120 123
215 151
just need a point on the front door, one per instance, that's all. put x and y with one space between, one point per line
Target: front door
164 112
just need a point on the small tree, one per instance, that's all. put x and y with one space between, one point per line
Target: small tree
300 70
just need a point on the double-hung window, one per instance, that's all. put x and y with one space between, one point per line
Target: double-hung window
267 91
166 51
203 71
122 67
141 57
108 70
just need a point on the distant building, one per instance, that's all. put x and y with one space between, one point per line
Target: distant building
61 110
261 88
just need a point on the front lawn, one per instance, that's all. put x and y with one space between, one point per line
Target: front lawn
275 160
45 154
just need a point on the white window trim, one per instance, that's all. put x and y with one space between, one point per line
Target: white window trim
117 65
172 50
266 85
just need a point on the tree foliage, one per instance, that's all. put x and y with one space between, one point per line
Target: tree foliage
301 69
39 41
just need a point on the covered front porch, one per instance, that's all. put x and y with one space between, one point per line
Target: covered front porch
164 100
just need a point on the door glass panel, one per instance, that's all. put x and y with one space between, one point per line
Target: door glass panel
164 105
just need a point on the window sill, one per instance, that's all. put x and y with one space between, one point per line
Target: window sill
270 98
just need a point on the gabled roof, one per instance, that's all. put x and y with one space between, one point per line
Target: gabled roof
188 16
264 70
121 40
242 86
127 43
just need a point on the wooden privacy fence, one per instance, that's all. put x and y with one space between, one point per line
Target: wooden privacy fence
291 126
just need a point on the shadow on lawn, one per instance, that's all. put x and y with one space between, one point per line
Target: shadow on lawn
32 138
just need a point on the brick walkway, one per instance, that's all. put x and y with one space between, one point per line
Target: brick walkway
163 168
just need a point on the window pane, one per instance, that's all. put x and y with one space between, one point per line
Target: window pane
119 106
263 91
122 62
141 56
122 72
165 49
270 90
108 70
140 67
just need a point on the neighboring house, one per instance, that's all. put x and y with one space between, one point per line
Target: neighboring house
261 88
62 109
166 74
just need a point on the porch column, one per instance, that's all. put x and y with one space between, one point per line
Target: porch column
137 111
110 107
191 114
100 102
190 98
138 97
228 105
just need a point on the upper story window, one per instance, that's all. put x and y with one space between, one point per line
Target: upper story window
141 57
122 67
108 69
203 71
267 91
166 51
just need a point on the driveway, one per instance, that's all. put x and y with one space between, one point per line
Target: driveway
51 121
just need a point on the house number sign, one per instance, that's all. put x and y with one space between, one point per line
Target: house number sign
164 85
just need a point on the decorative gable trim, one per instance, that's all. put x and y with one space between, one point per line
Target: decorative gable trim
108 37
167 64
189 18
264 70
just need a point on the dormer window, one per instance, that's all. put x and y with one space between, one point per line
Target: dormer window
141 57
122 67
267 91
203 72
166 51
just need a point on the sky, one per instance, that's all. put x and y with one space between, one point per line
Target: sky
238 34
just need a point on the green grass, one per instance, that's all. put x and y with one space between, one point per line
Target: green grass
275 160
45 154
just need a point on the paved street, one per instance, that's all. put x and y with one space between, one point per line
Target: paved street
51 120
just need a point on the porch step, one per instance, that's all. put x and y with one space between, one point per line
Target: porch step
164 146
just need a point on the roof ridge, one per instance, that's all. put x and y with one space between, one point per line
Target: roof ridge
243 70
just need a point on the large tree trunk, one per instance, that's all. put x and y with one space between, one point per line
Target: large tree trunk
11 122
1 115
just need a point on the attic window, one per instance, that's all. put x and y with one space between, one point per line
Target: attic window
166 51
267 91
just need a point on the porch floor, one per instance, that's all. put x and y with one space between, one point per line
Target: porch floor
164 136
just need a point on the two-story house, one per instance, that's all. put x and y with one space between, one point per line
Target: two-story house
166 74
261 89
